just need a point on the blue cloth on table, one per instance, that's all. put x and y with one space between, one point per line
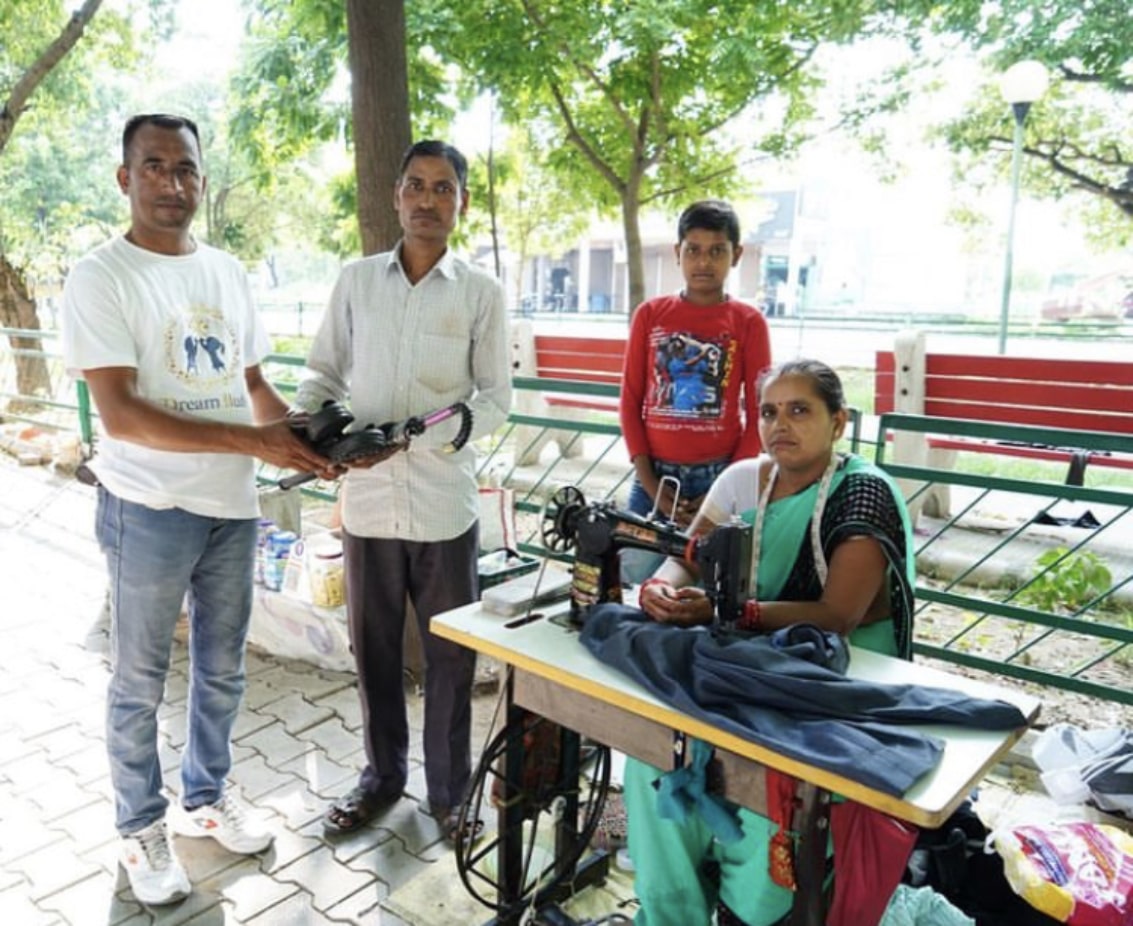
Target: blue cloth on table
788 691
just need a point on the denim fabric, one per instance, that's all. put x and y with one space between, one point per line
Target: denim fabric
695 479
155 557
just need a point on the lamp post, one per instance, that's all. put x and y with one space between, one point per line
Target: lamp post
1021 84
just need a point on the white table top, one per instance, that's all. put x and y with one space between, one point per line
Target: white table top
552 651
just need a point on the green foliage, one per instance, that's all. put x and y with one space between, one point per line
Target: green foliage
1079 137
1066 582
56 169
633 99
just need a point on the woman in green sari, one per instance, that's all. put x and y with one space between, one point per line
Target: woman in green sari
832 547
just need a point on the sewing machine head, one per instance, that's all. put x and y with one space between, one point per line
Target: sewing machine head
599 531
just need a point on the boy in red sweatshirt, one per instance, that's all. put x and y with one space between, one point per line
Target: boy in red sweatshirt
689 399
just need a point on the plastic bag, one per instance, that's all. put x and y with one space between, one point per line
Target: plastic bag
1076 873
1087 765
497 520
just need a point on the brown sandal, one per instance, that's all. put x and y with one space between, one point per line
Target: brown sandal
354 810
455 834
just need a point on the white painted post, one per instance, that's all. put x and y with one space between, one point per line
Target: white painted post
909 399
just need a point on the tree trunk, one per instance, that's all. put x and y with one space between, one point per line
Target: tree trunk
380 107
17 310
635 261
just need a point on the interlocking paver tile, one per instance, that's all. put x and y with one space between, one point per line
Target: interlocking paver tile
253 893
32 716
61 743
54 868
203 905
334 739
296 910
89 827
88 763
395 865
16 907
297 713
206 860
346 705
288 846
326 878
255 778
348 846
56 799
33 771
363 908
324 777
249 721
268 686
14 747
274 744
294 802
308 680
92 900
173 725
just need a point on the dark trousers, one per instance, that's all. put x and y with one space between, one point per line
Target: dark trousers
436 577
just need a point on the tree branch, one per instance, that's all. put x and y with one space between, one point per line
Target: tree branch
16 104
574 136
1115 84
583 68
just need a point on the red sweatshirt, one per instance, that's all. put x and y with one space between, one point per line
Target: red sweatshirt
689 380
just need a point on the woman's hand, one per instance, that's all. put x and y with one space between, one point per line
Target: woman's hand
684 607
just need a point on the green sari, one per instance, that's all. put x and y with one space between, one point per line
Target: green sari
674 861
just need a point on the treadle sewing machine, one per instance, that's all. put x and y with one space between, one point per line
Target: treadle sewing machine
599 531
551 763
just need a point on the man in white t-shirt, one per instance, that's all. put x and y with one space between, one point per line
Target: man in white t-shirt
164 331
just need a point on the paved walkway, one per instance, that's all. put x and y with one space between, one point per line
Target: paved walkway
296 747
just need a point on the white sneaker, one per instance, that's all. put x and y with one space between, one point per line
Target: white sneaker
155 874
226 822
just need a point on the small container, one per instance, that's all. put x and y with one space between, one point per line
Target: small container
266 528
327 573
275 558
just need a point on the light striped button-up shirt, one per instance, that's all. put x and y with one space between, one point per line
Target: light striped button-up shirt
389 349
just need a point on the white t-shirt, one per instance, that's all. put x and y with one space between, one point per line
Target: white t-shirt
188 325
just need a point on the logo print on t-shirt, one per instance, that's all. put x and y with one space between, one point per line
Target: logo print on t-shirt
688 375
202 349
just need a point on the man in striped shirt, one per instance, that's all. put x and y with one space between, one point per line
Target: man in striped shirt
407 332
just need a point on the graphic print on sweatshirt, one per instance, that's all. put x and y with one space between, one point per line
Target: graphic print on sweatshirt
689 375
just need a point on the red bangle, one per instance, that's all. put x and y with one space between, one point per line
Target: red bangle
752 617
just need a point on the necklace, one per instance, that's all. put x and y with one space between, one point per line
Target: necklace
815 522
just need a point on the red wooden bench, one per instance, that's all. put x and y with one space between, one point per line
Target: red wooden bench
582 359
1075 395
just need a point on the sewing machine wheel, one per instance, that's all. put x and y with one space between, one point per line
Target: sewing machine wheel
556 526
542 803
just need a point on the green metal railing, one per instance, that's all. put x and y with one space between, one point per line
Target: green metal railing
980 612
1033 594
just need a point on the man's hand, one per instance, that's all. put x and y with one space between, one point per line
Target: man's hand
280 445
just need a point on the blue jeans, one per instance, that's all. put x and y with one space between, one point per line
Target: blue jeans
695 479
154 557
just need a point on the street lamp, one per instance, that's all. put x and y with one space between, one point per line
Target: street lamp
1021 84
